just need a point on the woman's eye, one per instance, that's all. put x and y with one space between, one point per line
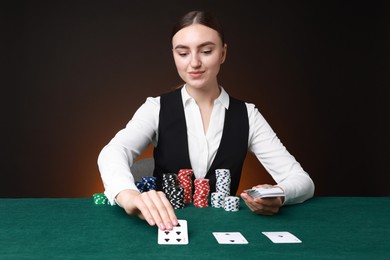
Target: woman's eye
206 51
183 54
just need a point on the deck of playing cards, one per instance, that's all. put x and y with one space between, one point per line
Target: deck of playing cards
177 236
266 192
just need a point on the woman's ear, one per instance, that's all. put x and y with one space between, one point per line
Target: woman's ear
223 54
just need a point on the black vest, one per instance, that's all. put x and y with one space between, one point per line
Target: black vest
171 153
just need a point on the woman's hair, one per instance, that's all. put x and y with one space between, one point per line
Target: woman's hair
199 17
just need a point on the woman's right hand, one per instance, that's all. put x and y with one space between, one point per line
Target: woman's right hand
152 206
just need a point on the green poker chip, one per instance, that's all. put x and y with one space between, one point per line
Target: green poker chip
100 199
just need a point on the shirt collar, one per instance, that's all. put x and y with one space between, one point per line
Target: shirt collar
223 98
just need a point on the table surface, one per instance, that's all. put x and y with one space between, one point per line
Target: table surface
76 228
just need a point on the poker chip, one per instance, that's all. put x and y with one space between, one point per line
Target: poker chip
169 180
202 191
147 183
100 198
217 199
176 197
150 183
172 190
178 190
223 181
231 203
140 186
185 180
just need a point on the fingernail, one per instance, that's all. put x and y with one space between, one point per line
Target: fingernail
169 226
151 222
162 227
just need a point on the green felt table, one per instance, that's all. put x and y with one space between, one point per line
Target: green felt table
76 228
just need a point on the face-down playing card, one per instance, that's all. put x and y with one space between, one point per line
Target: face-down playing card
177 236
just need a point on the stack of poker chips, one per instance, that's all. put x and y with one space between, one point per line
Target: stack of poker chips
221 197
176 197
185 181
231 203
169 180
202 191
173 191
147 183
217 199
222 188
223 181
100 198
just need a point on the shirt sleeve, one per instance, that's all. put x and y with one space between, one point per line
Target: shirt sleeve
116 158
277 161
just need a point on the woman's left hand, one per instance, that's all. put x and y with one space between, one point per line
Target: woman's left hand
263 206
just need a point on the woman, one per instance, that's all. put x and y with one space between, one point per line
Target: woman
198 126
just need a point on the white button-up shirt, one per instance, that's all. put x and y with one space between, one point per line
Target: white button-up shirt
119 154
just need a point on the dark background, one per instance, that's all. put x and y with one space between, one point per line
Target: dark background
74 72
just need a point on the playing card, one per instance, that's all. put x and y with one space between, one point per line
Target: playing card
177 236
282 237
230 238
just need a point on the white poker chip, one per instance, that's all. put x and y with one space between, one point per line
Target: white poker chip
217 199
223 181
231 203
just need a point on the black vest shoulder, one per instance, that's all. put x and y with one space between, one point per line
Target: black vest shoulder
171 153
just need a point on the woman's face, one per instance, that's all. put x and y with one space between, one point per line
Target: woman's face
198 53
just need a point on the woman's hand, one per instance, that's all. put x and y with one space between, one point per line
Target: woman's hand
263 206
152 206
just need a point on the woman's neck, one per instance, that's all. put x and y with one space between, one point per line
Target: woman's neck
204 95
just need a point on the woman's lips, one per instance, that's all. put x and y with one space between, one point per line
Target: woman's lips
195 74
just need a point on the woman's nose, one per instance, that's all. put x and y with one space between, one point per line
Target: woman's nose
195 61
